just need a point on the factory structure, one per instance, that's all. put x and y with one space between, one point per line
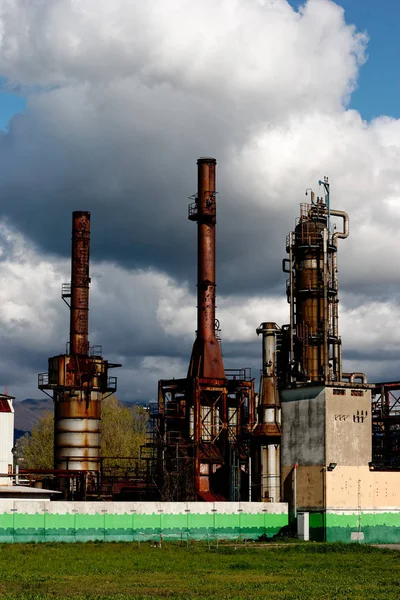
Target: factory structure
313 444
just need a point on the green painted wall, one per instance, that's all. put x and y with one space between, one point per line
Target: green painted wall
70 527
376 527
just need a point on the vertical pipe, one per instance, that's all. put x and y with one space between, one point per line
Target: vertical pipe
326 308
272 477
337 349
206 248
250 482
291 267
79 314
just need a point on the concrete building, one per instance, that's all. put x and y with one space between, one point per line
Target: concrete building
6 438
326 466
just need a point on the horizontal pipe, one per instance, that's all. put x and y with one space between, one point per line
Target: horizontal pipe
351 377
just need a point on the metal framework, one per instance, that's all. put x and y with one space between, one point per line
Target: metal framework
386 425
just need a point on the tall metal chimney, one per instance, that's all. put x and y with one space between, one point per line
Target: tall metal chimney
79 314
206 361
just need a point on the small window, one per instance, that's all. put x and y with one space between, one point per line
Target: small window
339 392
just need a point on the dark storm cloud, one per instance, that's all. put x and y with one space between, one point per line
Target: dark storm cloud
123 99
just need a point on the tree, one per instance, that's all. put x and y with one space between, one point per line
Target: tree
123 431
36 451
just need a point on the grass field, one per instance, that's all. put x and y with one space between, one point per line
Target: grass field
119 570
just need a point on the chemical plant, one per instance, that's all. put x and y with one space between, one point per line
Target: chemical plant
315 444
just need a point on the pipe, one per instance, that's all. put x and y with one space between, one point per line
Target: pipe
250 482
206 248
337 353
351 377
325 304
337 358
79 314
346 225
273 477
295 491
291 267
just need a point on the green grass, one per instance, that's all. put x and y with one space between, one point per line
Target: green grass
306 571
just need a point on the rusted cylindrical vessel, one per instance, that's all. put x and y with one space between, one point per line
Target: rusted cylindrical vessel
206 361
77 432
80 280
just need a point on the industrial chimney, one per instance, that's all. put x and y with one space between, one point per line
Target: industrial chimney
206 360
78 379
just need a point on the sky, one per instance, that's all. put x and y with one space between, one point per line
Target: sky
107 106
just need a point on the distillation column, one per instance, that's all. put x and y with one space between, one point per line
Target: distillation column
315 345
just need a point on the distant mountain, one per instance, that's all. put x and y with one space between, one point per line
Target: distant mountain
27 412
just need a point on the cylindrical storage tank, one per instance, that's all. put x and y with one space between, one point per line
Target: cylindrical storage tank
77 432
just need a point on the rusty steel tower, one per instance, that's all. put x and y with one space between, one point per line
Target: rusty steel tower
78 379
203 423
315 353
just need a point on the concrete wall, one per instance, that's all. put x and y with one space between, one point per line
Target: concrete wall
348 428
303 443
310 486
359 488
303 426
363 526
23 521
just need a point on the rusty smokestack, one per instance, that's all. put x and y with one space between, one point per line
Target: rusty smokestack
78 380
80 280
206 360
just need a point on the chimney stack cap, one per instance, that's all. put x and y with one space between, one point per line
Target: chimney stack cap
207 159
